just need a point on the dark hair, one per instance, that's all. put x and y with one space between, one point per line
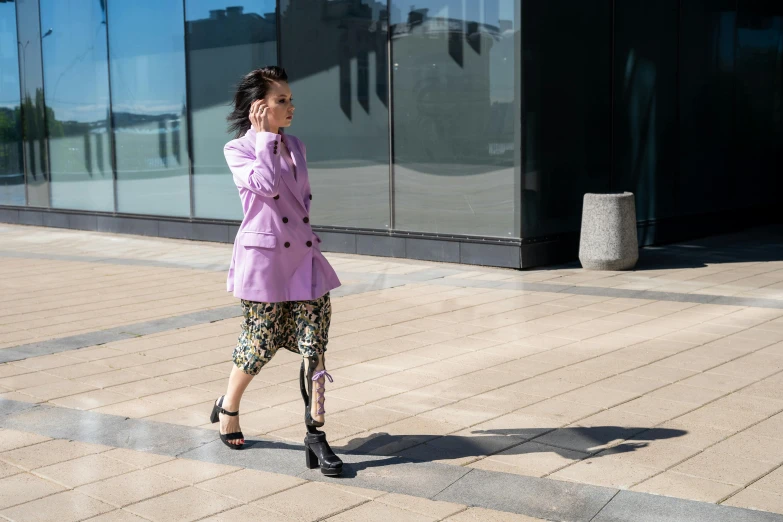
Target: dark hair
254 86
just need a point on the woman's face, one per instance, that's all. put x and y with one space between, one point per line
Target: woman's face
280 104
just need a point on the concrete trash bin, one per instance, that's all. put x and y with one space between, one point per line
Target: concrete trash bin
608 239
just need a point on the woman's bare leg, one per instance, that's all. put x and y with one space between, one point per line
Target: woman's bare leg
238 382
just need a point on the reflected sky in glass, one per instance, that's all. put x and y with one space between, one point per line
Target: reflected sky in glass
147 67
76 82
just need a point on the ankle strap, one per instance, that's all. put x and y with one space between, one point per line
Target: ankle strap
229 413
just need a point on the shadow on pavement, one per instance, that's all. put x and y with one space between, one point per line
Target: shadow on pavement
428 448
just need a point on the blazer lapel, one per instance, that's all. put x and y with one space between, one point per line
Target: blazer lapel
288 175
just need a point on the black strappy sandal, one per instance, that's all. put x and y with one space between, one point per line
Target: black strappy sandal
217 409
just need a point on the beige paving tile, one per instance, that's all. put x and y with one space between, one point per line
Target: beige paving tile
717 465
24 487
83 470
248 485
657 454
603 472
118 515
138 459
192 471
488 515
49 452
682 393
367 416
323 501
183 505
772 483
131 488
248 513
107 379
759 500
722 418
68 506
134 409
142 388
90 400
58 389
12 439
560 411
673 484
29 380
751 446
378 512
6 470
422 506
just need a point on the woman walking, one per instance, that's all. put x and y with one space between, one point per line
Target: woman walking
277 269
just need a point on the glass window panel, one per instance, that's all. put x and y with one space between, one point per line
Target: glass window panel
707 123
335 56
147 68
456 116
76 79
567 111
226 39
11 163
645 108
33 109
759 102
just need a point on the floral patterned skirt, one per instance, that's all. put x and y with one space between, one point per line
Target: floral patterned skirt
299 326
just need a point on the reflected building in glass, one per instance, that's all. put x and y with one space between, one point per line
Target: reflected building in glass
447 130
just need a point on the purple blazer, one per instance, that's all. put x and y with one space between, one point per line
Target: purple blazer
276 256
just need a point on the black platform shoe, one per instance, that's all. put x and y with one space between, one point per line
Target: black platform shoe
319 454
217 409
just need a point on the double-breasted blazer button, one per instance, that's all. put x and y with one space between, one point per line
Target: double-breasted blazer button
285 220
309 243
287 244
310 196
306 219
276 197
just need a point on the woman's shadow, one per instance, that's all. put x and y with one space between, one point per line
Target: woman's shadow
571 443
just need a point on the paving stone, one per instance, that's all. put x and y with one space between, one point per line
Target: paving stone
131 487
183 505
627 505
69 506
542 498
674 484
759 500
24 487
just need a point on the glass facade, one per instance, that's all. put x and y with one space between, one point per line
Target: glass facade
225 39
35 145
11 161
335 54
149 106
76 76
470 121
456 150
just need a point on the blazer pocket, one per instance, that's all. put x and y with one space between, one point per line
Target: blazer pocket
258 239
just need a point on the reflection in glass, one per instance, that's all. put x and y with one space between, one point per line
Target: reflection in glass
147 67
457 151
76 76
759 102
645 107
335 57
226 39
11 163
567 111
33 109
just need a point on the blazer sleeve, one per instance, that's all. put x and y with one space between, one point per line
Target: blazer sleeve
258 173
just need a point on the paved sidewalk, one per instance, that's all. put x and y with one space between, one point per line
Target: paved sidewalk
663 381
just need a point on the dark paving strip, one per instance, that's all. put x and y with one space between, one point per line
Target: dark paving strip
617 293
536 497
24 351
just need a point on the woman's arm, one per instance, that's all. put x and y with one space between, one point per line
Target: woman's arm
259 174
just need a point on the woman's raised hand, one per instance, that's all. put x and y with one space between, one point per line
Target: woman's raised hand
259 117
